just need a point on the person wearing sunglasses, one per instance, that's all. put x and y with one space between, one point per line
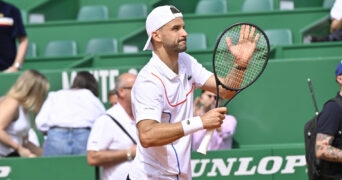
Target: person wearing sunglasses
222 138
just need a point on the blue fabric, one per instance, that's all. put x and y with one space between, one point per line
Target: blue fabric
9 33
336 36
338 70
66 141
330 121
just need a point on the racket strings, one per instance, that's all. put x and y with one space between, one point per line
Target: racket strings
233 80
226 68
224 60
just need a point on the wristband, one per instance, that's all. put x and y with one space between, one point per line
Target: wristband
238 67
192 125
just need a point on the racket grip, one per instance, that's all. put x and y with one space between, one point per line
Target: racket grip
205 142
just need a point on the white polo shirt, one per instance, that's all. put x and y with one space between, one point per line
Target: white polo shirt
107 135
160 94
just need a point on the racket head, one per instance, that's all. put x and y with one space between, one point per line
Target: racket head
223 59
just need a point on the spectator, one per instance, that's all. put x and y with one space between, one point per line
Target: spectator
336 16
328 138
335 25
112 97
108 145
67 116
222 137
24 97
11 29
162 96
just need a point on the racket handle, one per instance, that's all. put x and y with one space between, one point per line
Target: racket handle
205 142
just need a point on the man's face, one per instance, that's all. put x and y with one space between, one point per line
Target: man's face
173 35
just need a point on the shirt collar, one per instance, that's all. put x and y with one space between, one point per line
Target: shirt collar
163 68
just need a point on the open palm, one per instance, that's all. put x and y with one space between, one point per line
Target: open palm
244 49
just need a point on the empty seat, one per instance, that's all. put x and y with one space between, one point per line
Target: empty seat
60 48
257 5
279 36
132 10
328 3
211 7
101 45
196 41
23 14
31 50
93 13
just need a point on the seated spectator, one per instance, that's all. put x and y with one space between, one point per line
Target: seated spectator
67 116
336 16
108 145
112 97
24 97
335 25
222 137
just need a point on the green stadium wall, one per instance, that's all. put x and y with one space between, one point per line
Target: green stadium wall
264 164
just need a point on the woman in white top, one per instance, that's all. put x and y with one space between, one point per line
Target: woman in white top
67 116
25 96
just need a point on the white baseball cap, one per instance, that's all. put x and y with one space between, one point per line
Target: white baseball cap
157 18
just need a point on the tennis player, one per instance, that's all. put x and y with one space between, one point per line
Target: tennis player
162 98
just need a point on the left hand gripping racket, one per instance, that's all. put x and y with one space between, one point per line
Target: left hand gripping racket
239 41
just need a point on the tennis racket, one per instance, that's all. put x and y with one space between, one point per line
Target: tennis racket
236 43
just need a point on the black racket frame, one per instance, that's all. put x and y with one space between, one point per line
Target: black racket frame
218 82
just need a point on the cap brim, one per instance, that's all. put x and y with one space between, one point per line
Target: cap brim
148 45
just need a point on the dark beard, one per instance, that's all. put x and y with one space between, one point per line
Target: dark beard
177 48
